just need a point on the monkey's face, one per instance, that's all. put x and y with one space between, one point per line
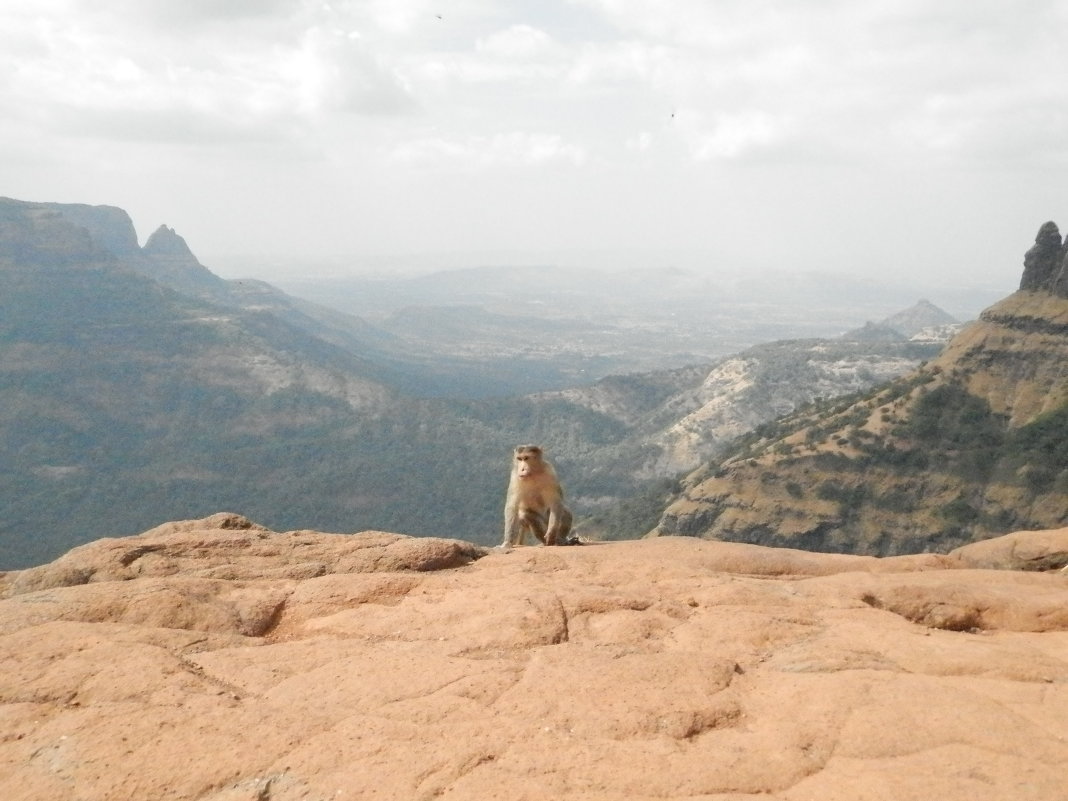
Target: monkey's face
527 460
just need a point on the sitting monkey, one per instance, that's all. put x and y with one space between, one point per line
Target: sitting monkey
535 501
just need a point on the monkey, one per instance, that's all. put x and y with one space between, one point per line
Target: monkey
535 501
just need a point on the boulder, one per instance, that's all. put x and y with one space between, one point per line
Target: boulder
1022 550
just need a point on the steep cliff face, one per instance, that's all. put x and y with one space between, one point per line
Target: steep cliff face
34 236
113 385
1046 263
167 258
971 445
1013 358
62 288
108 226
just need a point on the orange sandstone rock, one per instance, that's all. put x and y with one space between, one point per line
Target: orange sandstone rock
217 660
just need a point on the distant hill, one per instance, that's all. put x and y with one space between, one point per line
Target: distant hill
924 314
487 330
971 445
117 392
924 317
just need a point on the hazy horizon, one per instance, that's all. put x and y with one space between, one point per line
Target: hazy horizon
403 265
921 140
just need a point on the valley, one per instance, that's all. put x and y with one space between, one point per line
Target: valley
136 387
510 330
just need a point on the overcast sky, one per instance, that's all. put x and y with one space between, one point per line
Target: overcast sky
912 137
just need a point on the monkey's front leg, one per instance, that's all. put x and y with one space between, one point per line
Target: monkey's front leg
512 531
534 521
559 525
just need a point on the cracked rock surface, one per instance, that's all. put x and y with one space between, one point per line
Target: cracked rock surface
217 660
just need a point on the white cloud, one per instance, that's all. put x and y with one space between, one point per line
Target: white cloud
641 142
334 71
627 62
518 54
230 76
723 23
481 152
660 105
878 79
162 14
517 41
734 135
397 16
755 78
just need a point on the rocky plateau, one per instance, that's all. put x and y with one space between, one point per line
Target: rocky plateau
216 659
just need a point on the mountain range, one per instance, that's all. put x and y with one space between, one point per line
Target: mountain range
970 445
136 386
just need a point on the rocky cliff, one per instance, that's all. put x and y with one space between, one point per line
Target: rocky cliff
167 259
34 236
683 417
109 226
1046 263
113 385
969 446
219 661
764 383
